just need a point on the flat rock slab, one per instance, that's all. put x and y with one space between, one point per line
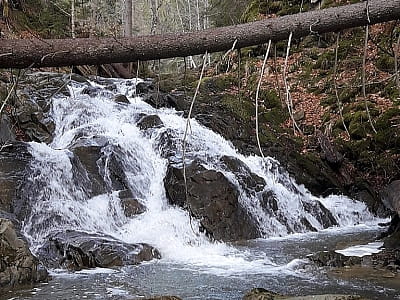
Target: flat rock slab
76 250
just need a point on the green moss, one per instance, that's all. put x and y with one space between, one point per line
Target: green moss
385 63
391 91
274 116
242 109
270 98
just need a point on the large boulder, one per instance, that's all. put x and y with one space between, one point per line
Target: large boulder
102 164
17 264
75 250
212 199
15 159
386 259
391 198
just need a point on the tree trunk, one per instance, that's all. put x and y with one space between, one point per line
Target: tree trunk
128 19
67 52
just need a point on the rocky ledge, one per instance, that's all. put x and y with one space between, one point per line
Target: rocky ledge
17 264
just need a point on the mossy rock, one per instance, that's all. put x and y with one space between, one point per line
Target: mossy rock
391 91
216 84
386 120
270 98
385 63
275 116
325 61
238 105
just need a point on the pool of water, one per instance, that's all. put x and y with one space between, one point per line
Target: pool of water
276 264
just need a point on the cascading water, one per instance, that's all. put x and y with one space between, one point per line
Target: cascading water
62 192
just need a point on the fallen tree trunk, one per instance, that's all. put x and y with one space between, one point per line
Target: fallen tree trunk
95 51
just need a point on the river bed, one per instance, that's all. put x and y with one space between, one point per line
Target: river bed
276 264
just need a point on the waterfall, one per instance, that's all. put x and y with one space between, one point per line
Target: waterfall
63 194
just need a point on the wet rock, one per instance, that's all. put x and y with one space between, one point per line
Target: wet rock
91 91
334 259
32 119
145 87
17 264
212 199
75 250
102 165
150 121
391 196
88 157
164 298
392 235
321 213
247 179
130 206
168 144
14 169
261 294
121 99
7 133
160 99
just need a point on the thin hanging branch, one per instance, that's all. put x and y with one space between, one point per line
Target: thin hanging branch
289 102
339 103
364 94
184 144
257 95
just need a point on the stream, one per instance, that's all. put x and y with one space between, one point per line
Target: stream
63 196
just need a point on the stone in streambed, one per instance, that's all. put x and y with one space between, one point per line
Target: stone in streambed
75 250
150 121
262 294
121 99
130 205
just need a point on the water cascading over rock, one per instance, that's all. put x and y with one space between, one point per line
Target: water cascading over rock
111 182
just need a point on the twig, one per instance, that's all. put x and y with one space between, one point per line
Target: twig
364 79
257 95
289 102
5 54
339 103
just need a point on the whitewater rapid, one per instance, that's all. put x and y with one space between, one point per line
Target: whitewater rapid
61 201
